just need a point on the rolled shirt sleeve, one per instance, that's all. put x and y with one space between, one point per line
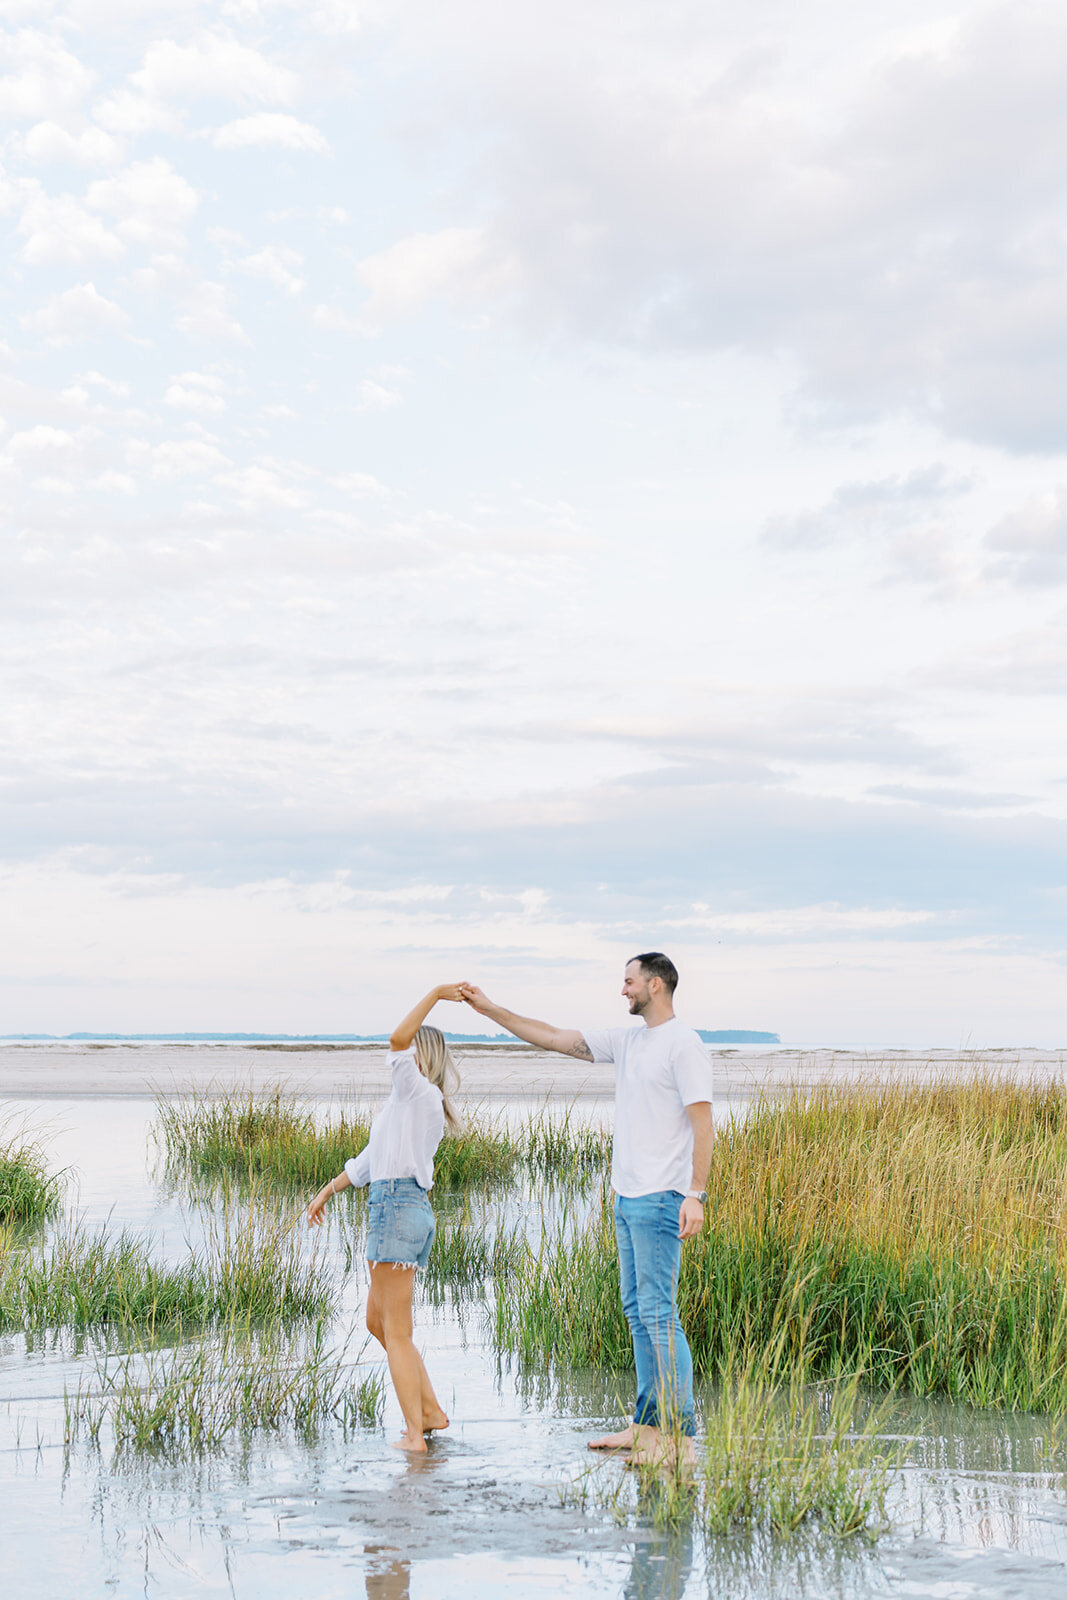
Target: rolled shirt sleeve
358 1168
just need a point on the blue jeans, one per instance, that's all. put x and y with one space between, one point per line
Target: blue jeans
650 1253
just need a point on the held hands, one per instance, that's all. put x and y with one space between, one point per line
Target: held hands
690 1219
474 997
451 991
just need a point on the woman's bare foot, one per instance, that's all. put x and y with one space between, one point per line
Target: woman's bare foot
433 1417
614 1441
413 1443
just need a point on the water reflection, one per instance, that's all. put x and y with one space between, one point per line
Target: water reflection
660 1568
389 1575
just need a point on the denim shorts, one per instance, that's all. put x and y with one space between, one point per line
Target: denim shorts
402 1225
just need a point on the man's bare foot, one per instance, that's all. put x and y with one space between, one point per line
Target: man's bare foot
433 1418
413 1443
656 1451
614 1441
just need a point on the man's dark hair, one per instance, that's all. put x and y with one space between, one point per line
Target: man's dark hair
656 965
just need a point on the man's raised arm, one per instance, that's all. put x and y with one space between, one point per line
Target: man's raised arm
566 1041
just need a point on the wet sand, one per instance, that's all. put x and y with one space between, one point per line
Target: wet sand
489 1072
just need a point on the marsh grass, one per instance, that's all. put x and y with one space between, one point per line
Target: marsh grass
916 1234
28 1191
255 1264
192 1398
778 1456
469 1257
237 1134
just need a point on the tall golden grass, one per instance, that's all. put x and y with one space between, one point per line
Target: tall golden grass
917 1234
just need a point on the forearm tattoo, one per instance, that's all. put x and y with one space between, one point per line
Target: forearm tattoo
580 1050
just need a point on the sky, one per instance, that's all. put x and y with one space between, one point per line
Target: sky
492 489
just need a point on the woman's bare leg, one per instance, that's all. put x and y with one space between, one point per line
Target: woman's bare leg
433 1413
392 1287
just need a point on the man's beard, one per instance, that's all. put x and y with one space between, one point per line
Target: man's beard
637 1007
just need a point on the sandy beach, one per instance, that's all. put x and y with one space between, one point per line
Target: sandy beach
129 1069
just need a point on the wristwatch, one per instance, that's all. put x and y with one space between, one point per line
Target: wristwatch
698 1194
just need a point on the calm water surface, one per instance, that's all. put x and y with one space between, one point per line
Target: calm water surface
979 1512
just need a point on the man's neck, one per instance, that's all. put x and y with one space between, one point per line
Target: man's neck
656 1016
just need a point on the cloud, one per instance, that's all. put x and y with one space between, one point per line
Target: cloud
196 391
125 111
275 263
47 82
75 314
456 264
859 509
208 317
215 65
270 129
1031 543
181 458
893 231
91 147
151 203
371 396
951 799
60 229
332 320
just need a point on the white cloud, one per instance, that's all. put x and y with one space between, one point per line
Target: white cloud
74 314
196 391
92 147
455 264
331 320
277 264
208 316
322 16
270 129
113 386
371 396
214 65
47 81
182 458
126 111
862 508
111 482
1032 542
59 228
152 204
262 484
41 440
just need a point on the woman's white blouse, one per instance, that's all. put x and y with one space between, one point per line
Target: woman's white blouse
407 1130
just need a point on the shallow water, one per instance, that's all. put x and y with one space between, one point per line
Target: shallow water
978 1512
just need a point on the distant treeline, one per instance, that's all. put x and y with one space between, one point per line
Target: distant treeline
721 1036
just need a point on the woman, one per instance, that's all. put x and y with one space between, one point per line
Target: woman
398 1164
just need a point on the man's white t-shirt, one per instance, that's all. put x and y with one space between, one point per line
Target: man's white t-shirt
658 1072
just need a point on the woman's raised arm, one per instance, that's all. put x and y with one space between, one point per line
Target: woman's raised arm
404 1032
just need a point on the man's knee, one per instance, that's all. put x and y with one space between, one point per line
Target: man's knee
658 1317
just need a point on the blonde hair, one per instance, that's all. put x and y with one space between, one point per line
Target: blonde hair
435 1063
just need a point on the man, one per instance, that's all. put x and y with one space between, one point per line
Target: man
661 1157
